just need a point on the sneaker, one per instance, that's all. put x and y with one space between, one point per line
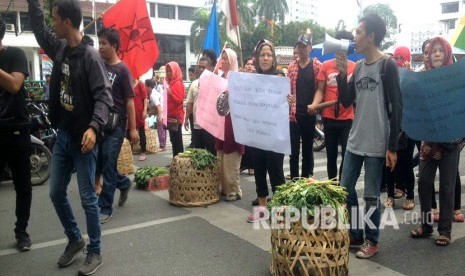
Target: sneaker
71 250
104 218
123 196
23 243
367 250
232 197
91 264
257 215
389 203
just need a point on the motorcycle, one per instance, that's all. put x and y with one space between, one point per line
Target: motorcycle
41 163
319 136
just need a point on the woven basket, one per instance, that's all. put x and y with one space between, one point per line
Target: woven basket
151 143
192 187
125 159
300 251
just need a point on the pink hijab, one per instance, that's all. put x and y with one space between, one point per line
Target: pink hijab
447 51
232 58
176 72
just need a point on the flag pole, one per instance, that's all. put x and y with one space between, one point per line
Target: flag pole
97 18
240 46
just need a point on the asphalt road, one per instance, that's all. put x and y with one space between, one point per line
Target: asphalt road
150 237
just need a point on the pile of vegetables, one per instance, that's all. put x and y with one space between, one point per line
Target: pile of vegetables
200 158
142 175
309 193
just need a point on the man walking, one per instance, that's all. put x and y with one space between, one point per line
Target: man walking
374 134
15 140
80 96
123 98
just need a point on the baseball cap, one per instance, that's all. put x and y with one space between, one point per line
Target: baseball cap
304 40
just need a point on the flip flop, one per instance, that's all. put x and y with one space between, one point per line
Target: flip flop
442 241
458 217
420 233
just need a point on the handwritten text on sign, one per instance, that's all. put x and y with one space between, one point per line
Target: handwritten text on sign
207 117
434 103
259 111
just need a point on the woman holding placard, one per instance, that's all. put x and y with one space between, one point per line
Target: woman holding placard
265 161
228 151
444 156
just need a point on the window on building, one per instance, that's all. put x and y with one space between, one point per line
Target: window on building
166 11
152 9
25 22
185 13
91 29
451 24
450 7
171 48
10 20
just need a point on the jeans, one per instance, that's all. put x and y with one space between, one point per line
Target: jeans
107 165
15 149
66 156
373 173
303 129
447 181
176 140
336 133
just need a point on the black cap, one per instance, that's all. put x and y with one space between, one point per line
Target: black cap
303 39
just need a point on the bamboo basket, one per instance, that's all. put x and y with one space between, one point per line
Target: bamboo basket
191 187
125 159
300 251
151 143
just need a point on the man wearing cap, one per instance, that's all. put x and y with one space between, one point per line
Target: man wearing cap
303 73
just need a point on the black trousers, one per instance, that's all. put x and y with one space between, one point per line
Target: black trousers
176 140
142 140
202 139
336 133
271 163
15 151
247 159
302 130
402 177
458 192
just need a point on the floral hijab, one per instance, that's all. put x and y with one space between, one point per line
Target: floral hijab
447 51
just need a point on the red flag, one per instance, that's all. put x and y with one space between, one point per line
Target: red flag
139 49
229 9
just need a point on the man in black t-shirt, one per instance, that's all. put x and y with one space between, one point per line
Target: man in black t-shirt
123 99
15 140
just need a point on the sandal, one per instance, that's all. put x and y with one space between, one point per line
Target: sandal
251 172
398 193
389 203
435 215
409 204
420 233
442 240
458 217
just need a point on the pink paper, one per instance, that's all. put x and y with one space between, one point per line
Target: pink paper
207 117
165 103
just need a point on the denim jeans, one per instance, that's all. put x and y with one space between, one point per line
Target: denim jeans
373 173
66 156
107 165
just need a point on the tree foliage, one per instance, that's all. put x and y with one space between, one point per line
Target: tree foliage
272 9
385 11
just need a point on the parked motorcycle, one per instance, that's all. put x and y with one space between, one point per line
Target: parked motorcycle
41 164
319 136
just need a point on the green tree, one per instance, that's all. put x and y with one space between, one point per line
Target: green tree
245 14
201 17
292 30
272 9
385 11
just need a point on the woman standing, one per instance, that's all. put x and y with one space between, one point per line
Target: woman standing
444 156
140 105
175 118
265 161
228 151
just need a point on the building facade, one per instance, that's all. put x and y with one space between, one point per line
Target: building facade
170 23
301 10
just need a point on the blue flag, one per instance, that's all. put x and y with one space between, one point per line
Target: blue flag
212 38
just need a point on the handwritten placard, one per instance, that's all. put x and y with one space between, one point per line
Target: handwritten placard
165 103
260 111
434 103
207 117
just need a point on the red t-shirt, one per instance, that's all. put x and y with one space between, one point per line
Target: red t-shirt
328 73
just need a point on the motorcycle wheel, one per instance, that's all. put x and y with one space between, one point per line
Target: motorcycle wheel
318 141
41 164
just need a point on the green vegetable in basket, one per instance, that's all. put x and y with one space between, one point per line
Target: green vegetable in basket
200 158
142 175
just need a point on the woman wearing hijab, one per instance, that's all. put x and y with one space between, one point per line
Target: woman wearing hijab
444 156
265 161
176 93
228 151
402 179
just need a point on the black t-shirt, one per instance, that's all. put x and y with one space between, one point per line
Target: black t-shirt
13 110
121 83
305 88
66 93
